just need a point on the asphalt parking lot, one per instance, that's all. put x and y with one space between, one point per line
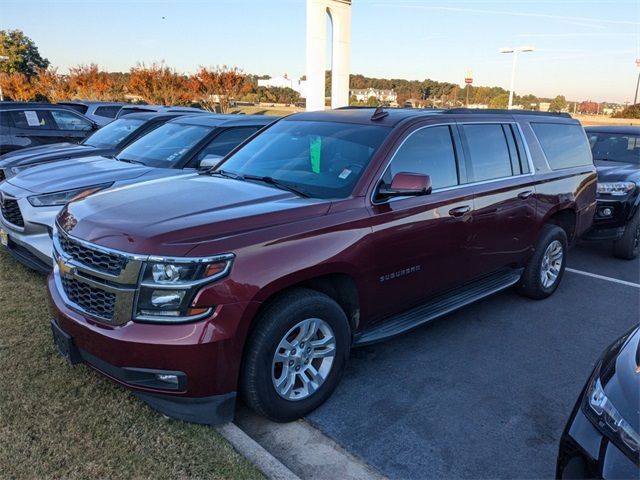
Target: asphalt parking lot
484 392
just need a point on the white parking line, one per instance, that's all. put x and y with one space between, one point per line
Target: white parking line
602 277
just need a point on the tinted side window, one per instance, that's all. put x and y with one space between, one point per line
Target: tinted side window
108 111
36 119
564 145
488 151
428 151
227 141
77 107
69 121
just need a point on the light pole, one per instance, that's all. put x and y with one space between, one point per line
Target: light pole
2 59
513 67
635 99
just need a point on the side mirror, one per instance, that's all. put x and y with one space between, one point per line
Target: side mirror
405 184
209 161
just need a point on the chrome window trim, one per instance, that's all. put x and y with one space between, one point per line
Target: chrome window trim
460 185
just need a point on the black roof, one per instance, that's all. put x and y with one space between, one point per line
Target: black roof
622 129
363 115
31 105
224 120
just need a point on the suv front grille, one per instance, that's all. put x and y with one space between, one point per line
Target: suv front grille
11 212
110 263
92 300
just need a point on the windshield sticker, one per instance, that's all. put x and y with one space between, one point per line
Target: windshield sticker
32 118
344 174
315 149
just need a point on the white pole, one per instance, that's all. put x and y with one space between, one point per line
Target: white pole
513 78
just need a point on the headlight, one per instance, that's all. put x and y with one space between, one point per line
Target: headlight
170 285
608 420
615 188
62 198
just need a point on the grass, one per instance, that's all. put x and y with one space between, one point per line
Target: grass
70 422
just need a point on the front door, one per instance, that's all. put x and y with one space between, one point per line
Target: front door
420 245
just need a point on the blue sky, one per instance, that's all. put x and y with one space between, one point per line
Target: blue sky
585 49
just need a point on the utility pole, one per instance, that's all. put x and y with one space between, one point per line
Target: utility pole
513 67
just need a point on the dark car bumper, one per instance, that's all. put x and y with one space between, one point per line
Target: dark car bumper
586 453
186 371
610 220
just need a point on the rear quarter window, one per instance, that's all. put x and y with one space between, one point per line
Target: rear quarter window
564 145
108 111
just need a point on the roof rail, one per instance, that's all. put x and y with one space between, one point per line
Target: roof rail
481 111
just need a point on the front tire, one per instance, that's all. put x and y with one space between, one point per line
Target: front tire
545 269
628 247
295 355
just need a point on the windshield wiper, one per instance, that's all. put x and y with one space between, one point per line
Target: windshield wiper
128 160
225 173
278 184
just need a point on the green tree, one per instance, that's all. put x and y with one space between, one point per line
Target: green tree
558 104
21 52
632 111
499 101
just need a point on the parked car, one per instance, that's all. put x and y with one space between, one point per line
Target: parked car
616 153
326 231
31 200
25 124
602 436
100 112
107 141
129 109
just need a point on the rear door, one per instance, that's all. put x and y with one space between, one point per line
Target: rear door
33 127
420 244
500 171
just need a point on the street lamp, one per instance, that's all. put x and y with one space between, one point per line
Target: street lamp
2 59
635 99
513 67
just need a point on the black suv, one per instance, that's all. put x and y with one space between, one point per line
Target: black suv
107 141
616 153
25 124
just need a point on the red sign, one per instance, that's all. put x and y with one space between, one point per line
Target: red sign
468 81
638 62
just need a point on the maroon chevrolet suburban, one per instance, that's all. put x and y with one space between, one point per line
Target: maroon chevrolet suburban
327 231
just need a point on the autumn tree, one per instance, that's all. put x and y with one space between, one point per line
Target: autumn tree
88 82
51 85
588 107
22 55
217 86
158 84
17 86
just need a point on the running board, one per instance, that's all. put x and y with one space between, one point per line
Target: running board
439 306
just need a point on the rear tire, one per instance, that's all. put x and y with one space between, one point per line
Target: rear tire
628 247
544 271
295 355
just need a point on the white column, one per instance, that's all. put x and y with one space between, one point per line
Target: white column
316 53
341 15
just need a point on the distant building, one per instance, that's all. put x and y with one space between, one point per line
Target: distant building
544 106
285 82
364 94
482 106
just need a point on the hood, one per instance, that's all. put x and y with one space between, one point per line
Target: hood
46 153
173 215
623 386
77 173
609 171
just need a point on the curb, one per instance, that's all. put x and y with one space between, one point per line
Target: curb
269 465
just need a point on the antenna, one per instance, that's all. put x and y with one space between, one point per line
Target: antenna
379 114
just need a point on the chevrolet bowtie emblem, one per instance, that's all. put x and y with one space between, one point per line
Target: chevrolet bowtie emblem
65 269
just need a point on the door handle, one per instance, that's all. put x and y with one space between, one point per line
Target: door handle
526 194
459 211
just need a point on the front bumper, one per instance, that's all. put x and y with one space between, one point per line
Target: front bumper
610 226
586 453
31 243
206 355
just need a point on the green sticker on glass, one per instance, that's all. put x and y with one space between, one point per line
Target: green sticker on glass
315 149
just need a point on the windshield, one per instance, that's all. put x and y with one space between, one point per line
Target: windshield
616 147
320 159
113 133
166 145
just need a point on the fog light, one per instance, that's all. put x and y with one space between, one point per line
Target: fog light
167 378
